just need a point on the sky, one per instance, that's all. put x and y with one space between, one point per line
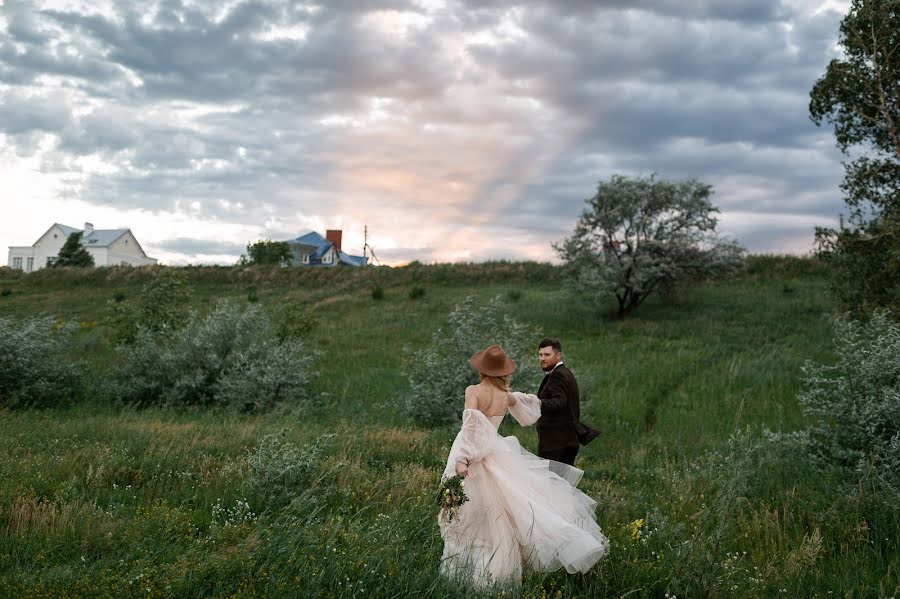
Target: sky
458 130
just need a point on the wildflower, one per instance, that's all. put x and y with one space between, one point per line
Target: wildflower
635 529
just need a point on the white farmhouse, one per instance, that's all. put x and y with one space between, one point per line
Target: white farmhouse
109 247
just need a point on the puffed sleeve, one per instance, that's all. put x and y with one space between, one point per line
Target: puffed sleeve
476 438
527 409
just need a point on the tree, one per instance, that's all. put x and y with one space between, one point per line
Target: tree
268 252
72 253
860 96
643 235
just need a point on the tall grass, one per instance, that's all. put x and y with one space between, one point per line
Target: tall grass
100 501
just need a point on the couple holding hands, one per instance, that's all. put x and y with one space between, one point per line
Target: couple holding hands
523 510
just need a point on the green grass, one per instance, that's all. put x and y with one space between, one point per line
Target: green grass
101 501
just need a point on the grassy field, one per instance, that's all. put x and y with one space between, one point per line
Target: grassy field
100 500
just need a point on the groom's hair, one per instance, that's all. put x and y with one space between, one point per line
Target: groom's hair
551 342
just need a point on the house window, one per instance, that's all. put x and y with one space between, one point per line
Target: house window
51 260
17 263
305 259
29 264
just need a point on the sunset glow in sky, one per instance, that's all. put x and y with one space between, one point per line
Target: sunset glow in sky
459 130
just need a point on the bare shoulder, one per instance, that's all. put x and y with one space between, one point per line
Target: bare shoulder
471 397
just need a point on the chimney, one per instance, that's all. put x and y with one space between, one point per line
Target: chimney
334 236
88 229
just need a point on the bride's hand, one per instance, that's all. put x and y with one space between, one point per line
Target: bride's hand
462 469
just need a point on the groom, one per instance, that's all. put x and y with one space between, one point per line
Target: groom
560 408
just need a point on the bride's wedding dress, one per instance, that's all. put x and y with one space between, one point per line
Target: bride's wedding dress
523 511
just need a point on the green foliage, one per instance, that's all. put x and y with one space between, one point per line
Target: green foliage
34 370
439 373
416 292
281 471
865 264
513 295
644 235
72 253
160 307
377 292
253 294
268 252
5 292
855 403
226 358
860 96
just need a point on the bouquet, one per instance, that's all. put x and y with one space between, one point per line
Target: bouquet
451 495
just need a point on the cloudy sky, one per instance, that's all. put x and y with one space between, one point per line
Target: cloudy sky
456 130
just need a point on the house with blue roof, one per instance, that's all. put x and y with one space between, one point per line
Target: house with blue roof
109 247
311 249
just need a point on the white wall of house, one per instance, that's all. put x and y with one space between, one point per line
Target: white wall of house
48 246
127 250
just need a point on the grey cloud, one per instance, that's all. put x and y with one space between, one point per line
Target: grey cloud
22 113
712 89
206 247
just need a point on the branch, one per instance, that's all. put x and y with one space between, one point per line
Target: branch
892 127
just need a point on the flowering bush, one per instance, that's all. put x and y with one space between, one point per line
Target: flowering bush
34 370
439 373
855 403
225 358
279 470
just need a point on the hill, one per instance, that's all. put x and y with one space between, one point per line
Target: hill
97 500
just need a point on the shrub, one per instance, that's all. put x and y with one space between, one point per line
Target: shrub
279 470
513 295
377 292
34 371
6 292
252 294
416 292
161 306
225 358
72 253
439 373
855 403
295 321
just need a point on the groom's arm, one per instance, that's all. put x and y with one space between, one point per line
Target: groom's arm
554 398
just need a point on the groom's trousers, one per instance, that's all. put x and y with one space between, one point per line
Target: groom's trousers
566 455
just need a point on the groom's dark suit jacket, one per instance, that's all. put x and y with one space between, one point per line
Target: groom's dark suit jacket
559 406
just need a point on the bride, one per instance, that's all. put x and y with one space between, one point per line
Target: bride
523 511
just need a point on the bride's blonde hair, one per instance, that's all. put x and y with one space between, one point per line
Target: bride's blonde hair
501 382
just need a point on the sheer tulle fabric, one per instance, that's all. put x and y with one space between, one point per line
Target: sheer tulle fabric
522 510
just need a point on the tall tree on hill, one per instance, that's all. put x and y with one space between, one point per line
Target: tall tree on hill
642 235
276 253
72 253
859 95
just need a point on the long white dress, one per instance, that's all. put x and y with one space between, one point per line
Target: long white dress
523 511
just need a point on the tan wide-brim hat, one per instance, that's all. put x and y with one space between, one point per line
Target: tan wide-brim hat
493 361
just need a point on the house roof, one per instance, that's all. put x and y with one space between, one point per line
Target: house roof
352 260
312 238
102 237
97 237
67 230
